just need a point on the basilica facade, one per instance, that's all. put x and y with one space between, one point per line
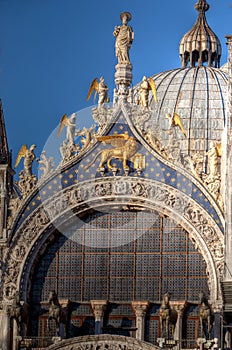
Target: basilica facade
126 243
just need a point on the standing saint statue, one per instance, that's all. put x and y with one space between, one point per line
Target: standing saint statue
124 38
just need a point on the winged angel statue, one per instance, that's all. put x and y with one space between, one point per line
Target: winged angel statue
175 120
124 149
70 123
29 157
146 85
101 88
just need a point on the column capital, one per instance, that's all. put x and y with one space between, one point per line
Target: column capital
140 307
179 306
98 306
217 306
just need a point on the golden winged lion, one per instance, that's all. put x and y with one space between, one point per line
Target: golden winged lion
175 120
101 88
29 156
124 148
147 85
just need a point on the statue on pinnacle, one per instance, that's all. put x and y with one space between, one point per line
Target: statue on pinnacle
124 38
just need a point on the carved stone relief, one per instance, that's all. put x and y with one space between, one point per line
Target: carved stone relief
103 342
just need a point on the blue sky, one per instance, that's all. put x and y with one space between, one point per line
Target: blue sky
50 51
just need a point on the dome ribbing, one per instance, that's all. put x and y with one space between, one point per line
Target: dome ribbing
200 44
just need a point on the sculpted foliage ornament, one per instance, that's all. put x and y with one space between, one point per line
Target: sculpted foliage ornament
47 165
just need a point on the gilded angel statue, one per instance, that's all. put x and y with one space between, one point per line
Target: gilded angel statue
29 156
70 123
146 85
175 120
101 88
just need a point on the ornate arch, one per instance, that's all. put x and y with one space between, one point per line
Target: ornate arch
105 192
103 341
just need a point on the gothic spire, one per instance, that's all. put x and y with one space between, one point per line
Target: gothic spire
5 157
200 44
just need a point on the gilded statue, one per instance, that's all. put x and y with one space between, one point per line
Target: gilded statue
29 156
125 148
101 88
146 85
175 120
124 37
70 123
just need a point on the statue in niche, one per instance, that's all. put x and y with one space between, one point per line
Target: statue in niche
168 317
102 89
213 160
212 178
124 37
206 316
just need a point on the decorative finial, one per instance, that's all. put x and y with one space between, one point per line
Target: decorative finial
201 6
200 45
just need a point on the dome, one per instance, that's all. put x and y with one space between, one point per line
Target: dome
198 96
196 92
200 44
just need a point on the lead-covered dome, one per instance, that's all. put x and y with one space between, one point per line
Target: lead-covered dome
198 96
197 92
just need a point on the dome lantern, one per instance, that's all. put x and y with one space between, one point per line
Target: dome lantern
200 45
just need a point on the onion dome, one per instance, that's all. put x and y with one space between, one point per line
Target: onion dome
200 45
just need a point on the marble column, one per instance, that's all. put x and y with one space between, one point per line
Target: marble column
226 173
217 308
140 308
4 330
99 307
179 307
